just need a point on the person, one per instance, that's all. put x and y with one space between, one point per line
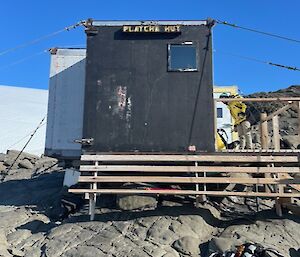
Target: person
241 124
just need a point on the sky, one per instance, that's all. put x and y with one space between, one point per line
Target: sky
23 21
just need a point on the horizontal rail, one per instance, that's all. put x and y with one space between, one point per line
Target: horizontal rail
272 115
266 99
144 168
287 176
259 151
208 180
181 192
191 158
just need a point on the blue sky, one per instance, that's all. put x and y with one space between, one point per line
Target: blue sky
23 21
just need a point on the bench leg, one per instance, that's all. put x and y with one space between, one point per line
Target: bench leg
92 204
278 207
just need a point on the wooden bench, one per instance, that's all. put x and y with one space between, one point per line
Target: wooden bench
110 171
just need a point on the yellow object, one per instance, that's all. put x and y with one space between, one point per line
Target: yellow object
219 142
238 111
232 90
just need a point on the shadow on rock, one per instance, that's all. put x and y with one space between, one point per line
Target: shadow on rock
172 211
294 252
189 209
43 192
37 226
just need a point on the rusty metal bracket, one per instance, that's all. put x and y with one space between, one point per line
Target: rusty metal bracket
90 29
85 141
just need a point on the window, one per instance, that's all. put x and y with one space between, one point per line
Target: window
219 112
182 57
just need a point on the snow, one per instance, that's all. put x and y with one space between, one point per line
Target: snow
21 110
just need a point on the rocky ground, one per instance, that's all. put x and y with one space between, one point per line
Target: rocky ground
32 223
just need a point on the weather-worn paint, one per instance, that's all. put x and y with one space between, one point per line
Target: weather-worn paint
132 101
65 104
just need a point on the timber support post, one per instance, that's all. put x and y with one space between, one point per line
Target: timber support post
276 134
298 119
264 131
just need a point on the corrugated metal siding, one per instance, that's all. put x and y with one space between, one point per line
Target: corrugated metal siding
66 100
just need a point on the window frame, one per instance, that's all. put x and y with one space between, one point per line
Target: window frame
189 43
222 113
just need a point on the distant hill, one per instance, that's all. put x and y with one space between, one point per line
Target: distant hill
289 119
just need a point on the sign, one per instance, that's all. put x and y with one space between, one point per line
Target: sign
152 29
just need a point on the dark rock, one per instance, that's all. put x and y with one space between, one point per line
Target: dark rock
134 202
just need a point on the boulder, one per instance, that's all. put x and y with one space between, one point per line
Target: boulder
9 160
26 164
2 167
15 153
45 162
187 245
134 202
220 244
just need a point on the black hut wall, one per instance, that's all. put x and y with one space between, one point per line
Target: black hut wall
132 101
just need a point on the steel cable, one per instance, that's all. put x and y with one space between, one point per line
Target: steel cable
258 31
32 42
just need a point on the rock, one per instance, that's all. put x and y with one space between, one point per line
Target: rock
292 140
4 245
2 167
9 160
24 155
2 157
84 251
26 164
45 162
18 174
16 253
160 233
134 202
220 245
187 245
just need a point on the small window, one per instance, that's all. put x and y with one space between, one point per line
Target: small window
219 113
182 57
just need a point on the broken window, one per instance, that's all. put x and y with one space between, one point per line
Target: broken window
182 57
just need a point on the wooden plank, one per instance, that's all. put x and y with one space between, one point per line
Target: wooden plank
264 131
279 111
276 135
191 158
259 151
298 119
182 192
287 176
209 180
144 168
263 99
